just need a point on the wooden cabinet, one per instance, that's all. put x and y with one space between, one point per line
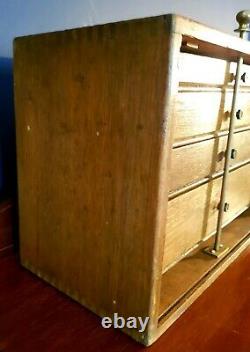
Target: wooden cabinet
121 137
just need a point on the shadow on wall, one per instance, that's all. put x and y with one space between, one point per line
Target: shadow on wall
7 131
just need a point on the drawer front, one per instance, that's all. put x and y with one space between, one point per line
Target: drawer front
193 215
194 162
209 71
203 69
199 113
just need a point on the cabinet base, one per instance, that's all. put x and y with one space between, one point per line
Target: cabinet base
216 254
188 279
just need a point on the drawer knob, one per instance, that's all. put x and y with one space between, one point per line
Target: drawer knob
226 207
239 114
244 77
233 154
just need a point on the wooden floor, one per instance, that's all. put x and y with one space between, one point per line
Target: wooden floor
36 317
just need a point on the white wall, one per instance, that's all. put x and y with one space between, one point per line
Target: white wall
20 17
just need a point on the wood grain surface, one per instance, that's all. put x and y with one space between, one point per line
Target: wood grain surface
52 322
178 283
194 162
193 215
200 113
99 112
89 138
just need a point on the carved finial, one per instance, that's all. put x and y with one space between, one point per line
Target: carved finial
243 18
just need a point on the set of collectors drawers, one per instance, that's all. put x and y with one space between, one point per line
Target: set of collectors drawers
201 121
120 161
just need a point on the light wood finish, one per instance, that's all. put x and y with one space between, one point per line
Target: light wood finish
193 215
193 275
200 114
87 198
206 158
203 70
98 116
177 281
174 47
181 278
210 71
210 40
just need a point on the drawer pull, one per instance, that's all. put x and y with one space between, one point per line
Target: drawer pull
239 114
226 207
244 77
233 154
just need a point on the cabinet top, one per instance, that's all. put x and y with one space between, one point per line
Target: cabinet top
175 24
194 29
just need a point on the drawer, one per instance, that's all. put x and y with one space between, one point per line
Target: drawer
194 162
203 69
201 113
209 71
193 215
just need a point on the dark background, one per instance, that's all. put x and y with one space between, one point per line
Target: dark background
7 131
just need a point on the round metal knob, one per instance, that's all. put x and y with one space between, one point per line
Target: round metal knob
226 207
244 77
233 154
243 18
239 114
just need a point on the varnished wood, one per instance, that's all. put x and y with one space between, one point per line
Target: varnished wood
193 215
100 123
200 47
6 225
201 114
59 323
84 186
194 162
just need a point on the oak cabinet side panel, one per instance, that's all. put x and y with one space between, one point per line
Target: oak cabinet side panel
89 115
